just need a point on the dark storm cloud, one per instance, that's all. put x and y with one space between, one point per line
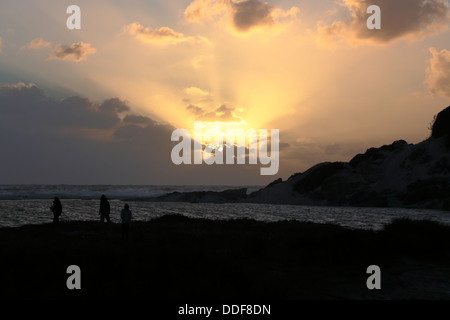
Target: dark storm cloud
83 113
75 140
114 105
27 104
137 120
148 135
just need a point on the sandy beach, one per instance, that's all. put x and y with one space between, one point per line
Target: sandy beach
174 257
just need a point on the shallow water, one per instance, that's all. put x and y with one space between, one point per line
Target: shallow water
20 212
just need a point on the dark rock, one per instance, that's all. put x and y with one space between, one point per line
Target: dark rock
374 154
399 174
434 190
441 125
275 182
316 176
368 198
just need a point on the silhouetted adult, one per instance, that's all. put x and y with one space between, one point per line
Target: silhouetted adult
126 216
56 208
105 209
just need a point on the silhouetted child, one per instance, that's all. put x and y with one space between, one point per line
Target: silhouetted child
126 216
56 208
105 209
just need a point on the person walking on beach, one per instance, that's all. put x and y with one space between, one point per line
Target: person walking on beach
105 209
56 208
126 216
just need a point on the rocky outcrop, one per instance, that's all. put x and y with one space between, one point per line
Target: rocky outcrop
441 125
395 175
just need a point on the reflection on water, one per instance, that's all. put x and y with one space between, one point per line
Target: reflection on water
19 212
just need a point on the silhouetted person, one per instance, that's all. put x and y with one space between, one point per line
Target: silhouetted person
56 209
126 216
105 209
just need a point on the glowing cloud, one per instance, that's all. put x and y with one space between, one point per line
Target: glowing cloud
193 91
37 43
162 36
201 10
439 72
74 52
223 113
198 61
401 19
243 16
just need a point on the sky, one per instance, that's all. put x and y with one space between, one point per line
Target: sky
98 105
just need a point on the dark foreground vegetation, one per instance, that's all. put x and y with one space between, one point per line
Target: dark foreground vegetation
174 257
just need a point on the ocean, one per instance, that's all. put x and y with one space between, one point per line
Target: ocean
22 205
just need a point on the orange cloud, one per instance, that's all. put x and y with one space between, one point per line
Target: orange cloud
37 43
400 19
162 36
198 60
243 16
74 52
194 91
222 113
200 10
